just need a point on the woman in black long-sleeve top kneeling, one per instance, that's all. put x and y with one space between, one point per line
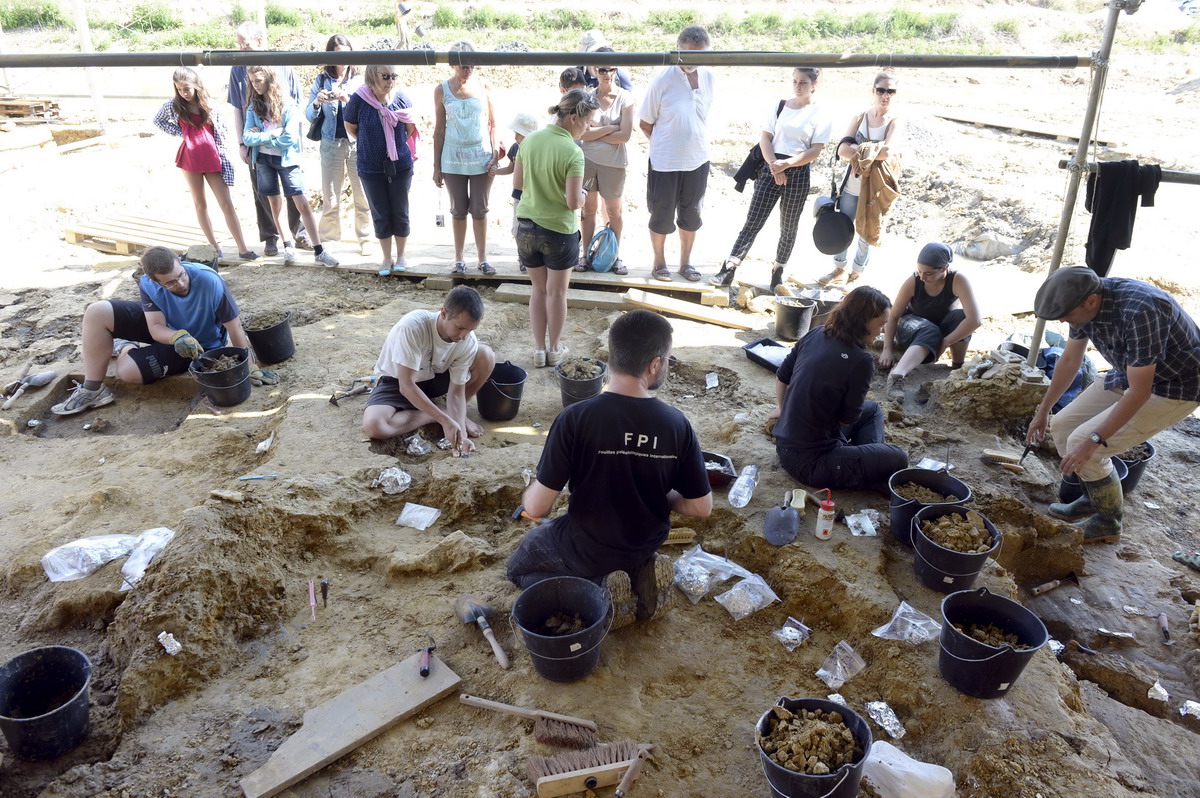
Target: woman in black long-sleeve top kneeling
828 434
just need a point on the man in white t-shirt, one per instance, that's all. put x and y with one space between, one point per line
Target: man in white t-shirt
428 355
674 117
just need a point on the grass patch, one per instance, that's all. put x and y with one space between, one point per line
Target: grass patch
33 14
759 23
721 25
239 14
279 16
1007 27
153 17
673 21
563 19
488 17
446 17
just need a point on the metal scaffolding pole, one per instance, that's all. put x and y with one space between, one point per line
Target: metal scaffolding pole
85 44
4 72
1078 164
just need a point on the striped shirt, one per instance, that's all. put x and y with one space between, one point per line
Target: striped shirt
1140 325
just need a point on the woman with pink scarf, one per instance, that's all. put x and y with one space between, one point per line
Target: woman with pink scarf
377 116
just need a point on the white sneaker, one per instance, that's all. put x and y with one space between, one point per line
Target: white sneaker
289 255
81 399
556 356
325 259
539 358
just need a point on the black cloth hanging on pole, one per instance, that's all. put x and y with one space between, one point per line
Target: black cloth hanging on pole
1112 197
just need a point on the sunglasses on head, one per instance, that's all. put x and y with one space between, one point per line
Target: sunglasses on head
606 70
389 75
880 90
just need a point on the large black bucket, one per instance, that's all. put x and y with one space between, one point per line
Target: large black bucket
500 397
229 387
273 344
793 317
942 569
44 701
574 390
843 782
904 509
1070 489
570 657
1135 468
978 669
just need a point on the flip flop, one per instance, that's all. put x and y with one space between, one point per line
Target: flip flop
459 267
690 274
581 265
662 273
1189 558
386 271
400 265
487 268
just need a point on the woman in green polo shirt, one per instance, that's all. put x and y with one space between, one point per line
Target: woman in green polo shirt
548 178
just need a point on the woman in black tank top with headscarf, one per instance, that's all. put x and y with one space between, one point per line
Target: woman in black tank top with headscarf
925 321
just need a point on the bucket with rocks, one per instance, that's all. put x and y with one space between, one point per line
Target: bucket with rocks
270 334
987 640
812 747
950 546
1135 460
580 378
915 488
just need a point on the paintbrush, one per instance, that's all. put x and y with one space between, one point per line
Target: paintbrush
548 727
602 766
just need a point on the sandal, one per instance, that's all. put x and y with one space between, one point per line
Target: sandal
459 267
486 268
386 271
582 265
690 273
833 277
661 273
853 278
1188 558
400 265
619 267
522 267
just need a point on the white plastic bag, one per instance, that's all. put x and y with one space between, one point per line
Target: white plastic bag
895 774
85 556
792 634
747 597
910 625
697 572
418 516
149 543
841 664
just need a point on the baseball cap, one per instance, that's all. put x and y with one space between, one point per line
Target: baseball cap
1065 290
523 124
592 40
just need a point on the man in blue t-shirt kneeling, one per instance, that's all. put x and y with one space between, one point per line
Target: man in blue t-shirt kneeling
629 461
185 309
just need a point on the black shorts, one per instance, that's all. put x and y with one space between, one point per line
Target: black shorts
154 361
387 391
541 246
914 330
676 199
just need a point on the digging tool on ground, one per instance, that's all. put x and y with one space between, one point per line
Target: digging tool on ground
548 727
35 381
425 651
783 522
470 610
12 387
360 385
1053 583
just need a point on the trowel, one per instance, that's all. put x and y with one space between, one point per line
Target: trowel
470 610
35 381
783 522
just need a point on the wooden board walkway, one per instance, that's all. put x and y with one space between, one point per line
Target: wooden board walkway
129 235
688 310
28 108
1020 126
583 298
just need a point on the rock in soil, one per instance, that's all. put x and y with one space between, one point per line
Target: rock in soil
1135 454
913 491
810 741
965 533
992 635
560 624
581 368
222 363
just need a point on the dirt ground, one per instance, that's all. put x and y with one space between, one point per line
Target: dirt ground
232 586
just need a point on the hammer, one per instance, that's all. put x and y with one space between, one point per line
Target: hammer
1046 588
424 671
360 386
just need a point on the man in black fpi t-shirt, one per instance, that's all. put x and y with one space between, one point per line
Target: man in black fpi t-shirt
629 460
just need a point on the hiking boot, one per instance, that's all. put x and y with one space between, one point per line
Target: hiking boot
894 388
777 275
120 345
81 399
325 259
724 277
652 583
1108 499
620 590
556 356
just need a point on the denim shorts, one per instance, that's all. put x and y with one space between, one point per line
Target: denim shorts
540 246
269 172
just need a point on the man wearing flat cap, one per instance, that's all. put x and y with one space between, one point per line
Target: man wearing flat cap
1154 349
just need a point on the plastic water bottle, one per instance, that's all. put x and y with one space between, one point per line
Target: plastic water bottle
825 517
743 489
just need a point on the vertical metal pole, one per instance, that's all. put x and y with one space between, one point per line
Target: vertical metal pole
85 46
1078 165
8 90
262 13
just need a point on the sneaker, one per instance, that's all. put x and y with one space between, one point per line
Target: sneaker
625 604
120 345
364 248
325 259
724 278
271 248
81 399
652 584
303 243
539 358
835 277
220 256
556 356
894 388
289 255
248 255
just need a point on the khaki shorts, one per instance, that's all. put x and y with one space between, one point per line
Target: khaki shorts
610 180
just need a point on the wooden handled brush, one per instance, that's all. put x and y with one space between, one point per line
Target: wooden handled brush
548 727
602 766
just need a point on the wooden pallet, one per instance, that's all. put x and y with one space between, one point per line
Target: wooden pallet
129 235
28 108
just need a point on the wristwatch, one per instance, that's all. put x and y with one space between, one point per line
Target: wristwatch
1095 436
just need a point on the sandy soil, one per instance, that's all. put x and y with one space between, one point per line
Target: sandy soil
232 586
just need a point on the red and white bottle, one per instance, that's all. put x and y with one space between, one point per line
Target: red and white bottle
824 529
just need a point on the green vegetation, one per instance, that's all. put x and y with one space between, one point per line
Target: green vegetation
278 16
239 14
488 17
153 16
33 14
563 19
446 17
672 21
1007 27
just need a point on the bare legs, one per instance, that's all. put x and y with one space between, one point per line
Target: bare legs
460 236
98 323
382 422
386 245
306 215
687 239
548 305
225 201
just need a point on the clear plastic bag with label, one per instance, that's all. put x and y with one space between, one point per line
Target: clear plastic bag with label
747 597
418 516
697 572
792 634
910 625
840 666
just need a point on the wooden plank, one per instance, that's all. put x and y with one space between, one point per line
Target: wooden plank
1018 126
576 297
163 225
129 241
688 310
133 232
716 299
349 719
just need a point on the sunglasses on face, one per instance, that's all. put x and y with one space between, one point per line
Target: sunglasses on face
389 75
881 91
606 70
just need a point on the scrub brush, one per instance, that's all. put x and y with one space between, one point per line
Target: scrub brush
602 766
548 727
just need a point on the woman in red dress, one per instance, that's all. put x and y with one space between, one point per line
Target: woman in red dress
202 154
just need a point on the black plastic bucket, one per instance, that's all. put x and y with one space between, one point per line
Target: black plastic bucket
570 657
500 397
229 387
843 782
978 669
44 701
1070 489
793 317
273 344
904 509
942 569
573 390
1135 467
